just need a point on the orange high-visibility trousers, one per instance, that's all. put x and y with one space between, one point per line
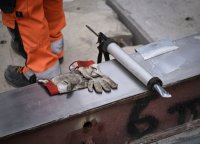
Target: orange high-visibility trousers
40 23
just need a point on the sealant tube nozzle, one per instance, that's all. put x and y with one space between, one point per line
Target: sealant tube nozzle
162 91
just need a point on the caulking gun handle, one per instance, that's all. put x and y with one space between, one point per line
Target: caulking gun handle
102 37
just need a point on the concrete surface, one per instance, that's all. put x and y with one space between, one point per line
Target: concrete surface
153 20
80 43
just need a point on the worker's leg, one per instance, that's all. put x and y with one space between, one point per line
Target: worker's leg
34 32
54 13
16 41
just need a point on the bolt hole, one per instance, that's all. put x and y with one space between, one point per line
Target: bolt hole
188 18
87 125
3 42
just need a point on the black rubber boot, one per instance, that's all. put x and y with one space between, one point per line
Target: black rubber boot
16 78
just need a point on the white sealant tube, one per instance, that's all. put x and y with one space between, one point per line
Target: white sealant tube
129 63
139 72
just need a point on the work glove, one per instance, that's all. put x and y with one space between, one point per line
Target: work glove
64 83
97 80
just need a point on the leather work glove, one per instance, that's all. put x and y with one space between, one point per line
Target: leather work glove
64 83
97 80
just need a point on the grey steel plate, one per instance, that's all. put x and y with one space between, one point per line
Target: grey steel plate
25 108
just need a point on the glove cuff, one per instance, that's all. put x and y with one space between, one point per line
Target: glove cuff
78 64
51 88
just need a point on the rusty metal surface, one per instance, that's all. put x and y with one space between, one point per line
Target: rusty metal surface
186 133
110 125
30 107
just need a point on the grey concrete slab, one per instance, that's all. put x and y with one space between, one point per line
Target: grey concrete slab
7 57
80 43
153 20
